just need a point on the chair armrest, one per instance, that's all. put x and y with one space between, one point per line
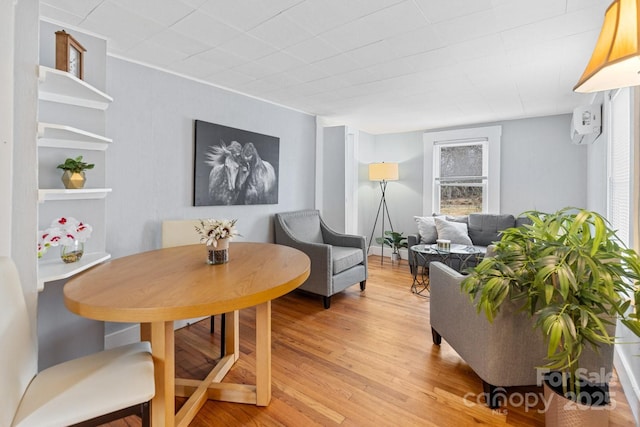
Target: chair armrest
412 240
334 238
450 307
447 278
454 317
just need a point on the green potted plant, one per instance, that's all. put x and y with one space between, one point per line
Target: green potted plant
395 241
73 176
570 271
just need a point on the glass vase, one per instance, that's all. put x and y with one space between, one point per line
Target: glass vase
72 253
218 254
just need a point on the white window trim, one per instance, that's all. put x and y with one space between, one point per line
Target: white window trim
492 134
619 198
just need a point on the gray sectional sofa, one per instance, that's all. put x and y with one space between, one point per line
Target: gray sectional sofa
504 353
482 230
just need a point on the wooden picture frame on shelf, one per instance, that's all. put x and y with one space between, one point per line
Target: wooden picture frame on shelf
69 54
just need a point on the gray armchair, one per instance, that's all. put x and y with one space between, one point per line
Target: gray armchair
503 353
337 260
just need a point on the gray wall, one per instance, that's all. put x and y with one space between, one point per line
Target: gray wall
404 197
540 169
24 201
366 189
333 188
150 162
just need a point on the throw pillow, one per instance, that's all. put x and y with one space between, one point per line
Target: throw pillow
457 232
426 229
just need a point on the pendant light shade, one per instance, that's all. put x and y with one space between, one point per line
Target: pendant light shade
615 61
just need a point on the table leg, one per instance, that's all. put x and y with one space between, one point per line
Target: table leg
263 353
198 391
232 335
163 406
420 263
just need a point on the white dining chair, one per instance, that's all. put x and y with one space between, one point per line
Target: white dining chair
90 390
183 232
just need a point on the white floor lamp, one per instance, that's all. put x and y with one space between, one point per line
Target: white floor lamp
382 172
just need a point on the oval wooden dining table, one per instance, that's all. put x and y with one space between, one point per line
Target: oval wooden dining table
157 287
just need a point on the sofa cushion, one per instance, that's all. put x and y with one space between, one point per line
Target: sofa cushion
484 229
454 231
426 229
344 258
458 218
522 220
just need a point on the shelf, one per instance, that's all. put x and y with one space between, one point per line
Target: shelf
62 136
55 269
60 86
63 194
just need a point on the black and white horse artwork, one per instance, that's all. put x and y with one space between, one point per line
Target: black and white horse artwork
228 173
241 172
261 184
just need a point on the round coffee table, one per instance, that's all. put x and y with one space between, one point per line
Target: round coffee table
457 257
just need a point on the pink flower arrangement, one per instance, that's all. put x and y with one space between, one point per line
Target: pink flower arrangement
62 231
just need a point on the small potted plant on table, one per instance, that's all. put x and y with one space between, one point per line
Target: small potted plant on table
73 176
570 271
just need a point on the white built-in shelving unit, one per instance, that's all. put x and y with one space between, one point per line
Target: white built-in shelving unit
51 270
45 194
63 88
61 136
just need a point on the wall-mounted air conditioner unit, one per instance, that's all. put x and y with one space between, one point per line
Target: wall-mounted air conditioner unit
586 124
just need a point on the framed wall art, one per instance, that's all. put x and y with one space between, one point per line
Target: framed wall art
234 166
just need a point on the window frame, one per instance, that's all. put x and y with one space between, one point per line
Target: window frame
490 136
438 179
620 164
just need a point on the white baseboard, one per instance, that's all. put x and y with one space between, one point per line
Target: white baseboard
377 250
629 383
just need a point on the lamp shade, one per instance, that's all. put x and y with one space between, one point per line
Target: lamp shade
383 171
615 61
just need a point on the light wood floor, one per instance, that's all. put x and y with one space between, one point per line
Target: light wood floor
366 361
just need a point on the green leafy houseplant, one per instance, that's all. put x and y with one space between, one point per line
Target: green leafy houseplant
570 271
393 239
75 165
73 176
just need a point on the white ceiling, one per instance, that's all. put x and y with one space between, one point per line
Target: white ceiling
379 65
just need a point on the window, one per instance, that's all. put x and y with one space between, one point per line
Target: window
462 171
619 173
460 177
